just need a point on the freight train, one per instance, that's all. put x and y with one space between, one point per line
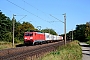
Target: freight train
38 37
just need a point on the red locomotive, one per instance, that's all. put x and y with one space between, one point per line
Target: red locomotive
37 37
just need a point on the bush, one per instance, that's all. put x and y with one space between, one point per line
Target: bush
88 42
17 40
8 37
71 51
88 38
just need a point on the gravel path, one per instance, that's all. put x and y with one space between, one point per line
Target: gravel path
85 51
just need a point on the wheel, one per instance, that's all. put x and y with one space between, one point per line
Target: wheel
33 43
40 43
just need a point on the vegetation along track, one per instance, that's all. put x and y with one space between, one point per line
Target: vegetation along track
21 53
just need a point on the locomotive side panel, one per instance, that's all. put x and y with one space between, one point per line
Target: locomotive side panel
33 37
39 37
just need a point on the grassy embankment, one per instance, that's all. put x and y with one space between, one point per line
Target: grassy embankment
71 51
6 45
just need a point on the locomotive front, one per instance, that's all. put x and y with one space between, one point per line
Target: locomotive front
28 37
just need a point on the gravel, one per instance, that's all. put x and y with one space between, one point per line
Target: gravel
85 51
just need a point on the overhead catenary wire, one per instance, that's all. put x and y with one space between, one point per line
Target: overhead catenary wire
29 4
26 10
34 7
42 12
16 14
22 17
20 7
29 11
56 18
37 9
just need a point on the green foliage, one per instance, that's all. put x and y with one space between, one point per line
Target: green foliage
71 51
16 40
88 42
88 38
26 26
80 32
55 53
5 45
51 31
2 47
87 32
6 29
4 42
8 37
5 26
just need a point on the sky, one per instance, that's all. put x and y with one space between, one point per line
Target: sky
40 12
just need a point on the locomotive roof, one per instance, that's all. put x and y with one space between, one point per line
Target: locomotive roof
32 32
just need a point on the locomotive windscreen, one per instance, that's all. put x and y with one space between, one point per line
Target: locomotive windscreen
28 34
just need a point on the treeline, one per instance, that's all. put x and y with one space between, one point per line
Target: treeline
81 33
6 29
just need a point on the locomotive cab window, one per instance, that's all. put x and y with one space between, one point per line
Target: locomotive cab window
26 34
31 34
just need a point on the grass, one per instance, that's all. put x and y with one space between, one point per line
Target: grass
71 51
6 45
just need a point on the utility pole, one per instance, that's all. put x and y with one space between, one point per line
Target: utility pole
72 35
64 25
13 29
65 28
13 22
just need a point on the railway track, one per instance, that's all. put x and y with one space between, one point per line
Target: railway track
31 52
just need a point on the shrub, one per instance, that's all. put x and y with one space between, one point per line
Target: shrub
88 42
17 40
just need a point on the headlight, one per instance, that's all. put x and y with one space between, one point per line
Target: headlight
25 38
31 37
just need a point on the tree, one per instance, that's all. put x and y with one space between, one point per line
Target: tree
5 26
80 32
87 32
51 31
24 27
